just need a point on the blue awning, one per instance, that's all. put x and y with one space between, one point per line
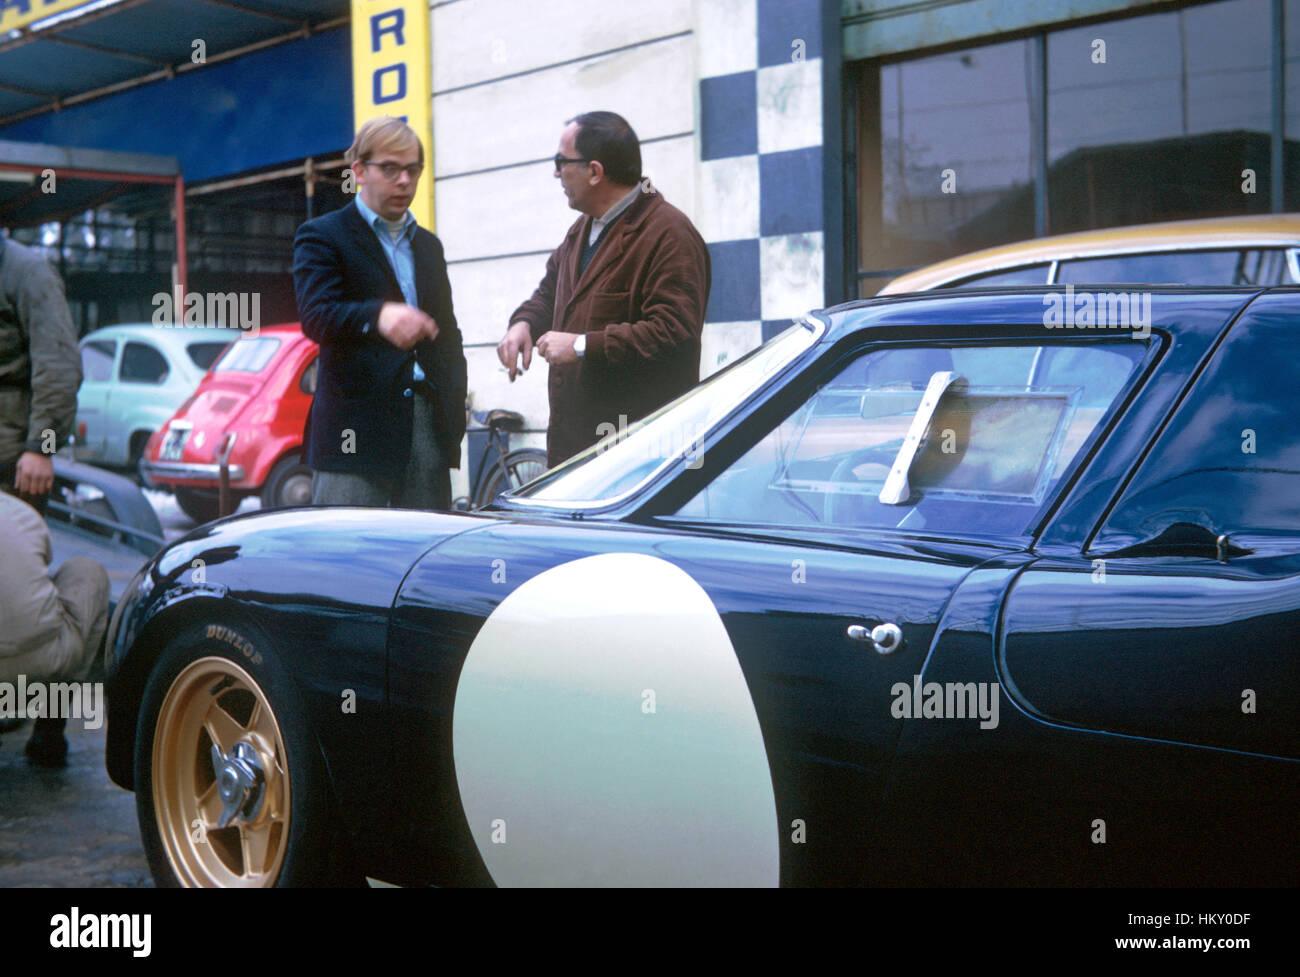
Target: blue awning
274 83
271 88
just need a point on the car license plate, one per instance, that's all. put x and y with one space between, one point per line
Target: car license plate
174 443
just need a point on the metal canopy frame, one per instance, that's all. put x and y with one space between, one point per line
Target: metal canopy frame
96 177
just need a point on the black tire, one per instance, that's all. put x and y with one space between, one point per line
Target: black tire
231 687
517 468
201 505
288 484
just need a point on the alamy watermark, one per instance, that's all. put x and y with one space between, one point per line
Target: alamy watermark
950 700
216 310
53 700
75 930
655 441
1098 310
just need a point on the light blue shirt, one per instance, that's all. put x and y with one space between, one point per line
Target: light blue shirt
398 253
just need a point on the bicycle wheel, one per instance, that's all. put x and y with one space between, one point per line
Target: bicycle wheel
517 468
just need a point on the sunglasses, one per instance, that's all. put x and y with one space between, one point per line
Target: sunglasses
561 160
391 170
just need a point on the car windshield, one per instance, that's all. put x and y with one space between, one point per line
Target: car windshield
627 458
248 355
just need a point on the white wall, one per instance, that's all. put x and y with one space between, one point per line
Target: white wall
506 76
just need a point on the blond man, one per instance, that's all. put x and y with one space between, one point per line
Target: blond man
389 412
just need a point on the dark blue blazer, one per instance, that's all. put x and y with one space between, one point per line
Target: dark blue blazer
341 277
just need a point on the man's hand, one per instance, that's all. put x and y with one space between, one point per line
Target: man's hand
518 340
557 347
34 473
404 325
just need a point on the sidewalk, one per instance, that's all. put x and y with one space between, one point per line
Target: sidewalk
70 827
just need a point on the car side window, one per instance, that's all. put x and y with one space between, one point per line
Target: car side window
1254 266
993 443
204 354
97 360
308 382
1026 275
1229 461
1264 266
142 363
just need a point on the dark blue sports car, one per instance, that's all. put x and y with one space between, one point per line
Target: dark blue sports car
999 587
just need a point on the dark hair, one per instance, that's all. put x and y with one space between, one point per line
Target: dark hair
606 137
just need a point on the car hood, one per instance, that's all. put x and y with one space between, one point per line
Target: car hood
341 566
336 557
347 544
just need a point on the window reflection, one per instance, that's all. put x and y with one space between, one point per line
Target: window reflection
1163 127
950 138
1229 267
1148 118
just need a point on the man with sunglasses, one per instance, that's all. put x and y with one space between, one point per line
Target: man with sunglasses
619 312
389 412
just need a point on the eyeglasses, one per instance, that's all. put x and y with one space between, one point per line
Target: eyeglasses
391 170
561 160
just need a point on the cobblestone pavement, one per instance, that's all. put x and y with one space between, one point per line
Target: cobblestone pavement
70 827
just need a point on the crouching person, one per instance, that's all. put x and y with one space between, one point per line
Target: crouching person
50 627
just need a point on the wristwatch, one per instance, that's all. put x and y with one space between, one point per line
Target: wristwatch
580 345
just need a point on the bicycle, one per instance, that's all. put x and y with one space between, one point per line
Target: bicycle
509 469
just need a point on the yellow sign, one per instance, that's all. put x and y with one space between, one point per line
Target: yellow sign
391 75
20 13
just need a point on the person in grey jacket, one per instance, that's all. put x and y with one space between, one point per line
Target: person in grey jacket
50 629
40 371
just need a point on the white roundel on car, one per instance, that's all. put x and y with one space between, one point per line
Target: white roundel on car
604 734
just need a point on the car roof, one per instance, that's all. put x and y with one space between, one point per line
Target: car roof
1259 230
293 345
167 335
1179 308
289 334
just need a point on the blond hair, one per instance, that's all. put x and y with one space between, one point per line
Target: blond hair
382 134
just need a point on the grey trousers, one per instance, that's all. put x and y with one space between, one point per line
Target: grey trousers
426 483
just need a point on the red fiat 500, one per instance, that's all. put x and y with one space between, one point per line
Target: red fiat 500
257 395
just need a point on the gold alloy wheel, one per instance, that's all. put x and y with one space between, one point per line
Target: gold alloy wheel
220 778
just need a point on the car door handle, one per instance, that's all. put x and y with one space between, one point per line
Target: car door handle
885 638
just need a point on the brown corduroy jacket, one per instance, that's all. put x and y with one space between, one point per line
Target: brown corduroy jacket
641 303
